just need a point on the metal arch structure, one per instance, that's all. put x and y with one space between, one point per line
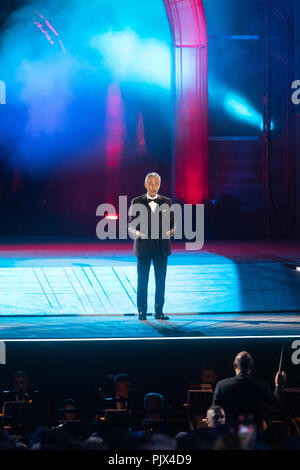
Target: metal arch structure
190 69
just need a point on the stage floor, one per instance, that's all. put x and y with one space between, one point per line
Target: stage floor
88 291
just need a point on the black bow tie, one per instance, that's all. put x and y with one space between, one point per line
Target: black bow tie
152 200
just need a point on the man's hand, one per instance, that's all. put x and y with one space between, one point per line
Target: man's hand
170 233
280 378
140 235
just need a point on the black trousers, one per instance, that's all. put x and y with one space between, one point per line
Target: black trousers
160 270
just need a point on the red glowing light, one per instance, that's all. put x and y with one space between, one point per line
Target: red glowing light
115 125
43 31
187 19
112 217
141 133
47 29
51 27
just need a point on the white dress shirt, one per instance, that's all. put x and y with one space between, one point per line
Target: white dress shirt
152 204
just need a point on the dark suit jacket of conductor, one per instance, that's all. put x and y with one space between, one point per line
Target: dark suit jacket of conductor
148 247
245 395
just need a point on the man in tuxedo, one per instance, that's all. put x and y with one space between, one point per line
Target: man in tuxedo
152 243
243 395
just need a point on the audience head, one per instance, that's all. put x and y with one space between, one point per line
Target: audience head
21 381
159 441
243 363
208 375
6 441
154 405
122 384
200 439
50 439
70 412
94 443
153 402
228 442
215 416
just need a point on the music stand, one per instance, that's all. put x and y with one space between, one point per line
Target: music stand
199 401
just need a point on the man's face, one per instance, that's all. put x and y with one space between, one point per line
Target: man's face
70 415
152 186
215 418
122 389
208 376
21 383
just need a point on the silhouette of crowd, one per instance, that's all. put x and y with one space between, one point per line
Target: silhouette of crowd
236 413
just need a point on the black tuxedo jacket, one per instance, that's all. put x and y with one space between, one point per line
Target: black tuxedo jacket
148 246
245 395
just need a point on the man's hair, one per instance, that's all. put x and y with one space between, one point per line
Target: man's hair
215 408
20 373
153 401
243 361
69 401
121 378
153 174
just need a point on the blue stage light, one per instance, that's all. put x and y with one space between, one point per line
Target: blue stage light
131 58
271 126
239 108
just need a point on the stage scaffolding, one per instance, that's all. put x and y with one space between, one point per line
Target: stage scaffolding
279 176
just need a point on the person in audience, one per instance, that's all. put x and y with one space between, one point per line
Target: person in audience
124 397
21 385
208 376
155 417
154 406
70 410
122 387
158 441
243 395
228 442
21 390
201 439
52 439
215 417
6 441
278 437
94 442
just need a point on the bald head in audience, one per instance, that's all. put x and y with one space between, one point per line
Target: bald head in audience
243 363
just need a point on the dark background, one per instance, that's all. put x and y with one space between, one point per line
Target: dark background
51 184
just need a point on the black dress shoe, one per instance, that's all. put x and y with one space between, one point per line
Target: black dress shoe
161 316
142 316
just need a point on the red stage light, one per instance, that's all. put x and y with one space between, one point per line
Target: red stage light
44 25
112 217
188 24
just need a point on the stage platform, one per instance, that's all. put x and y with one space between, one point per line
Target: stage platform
88 291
